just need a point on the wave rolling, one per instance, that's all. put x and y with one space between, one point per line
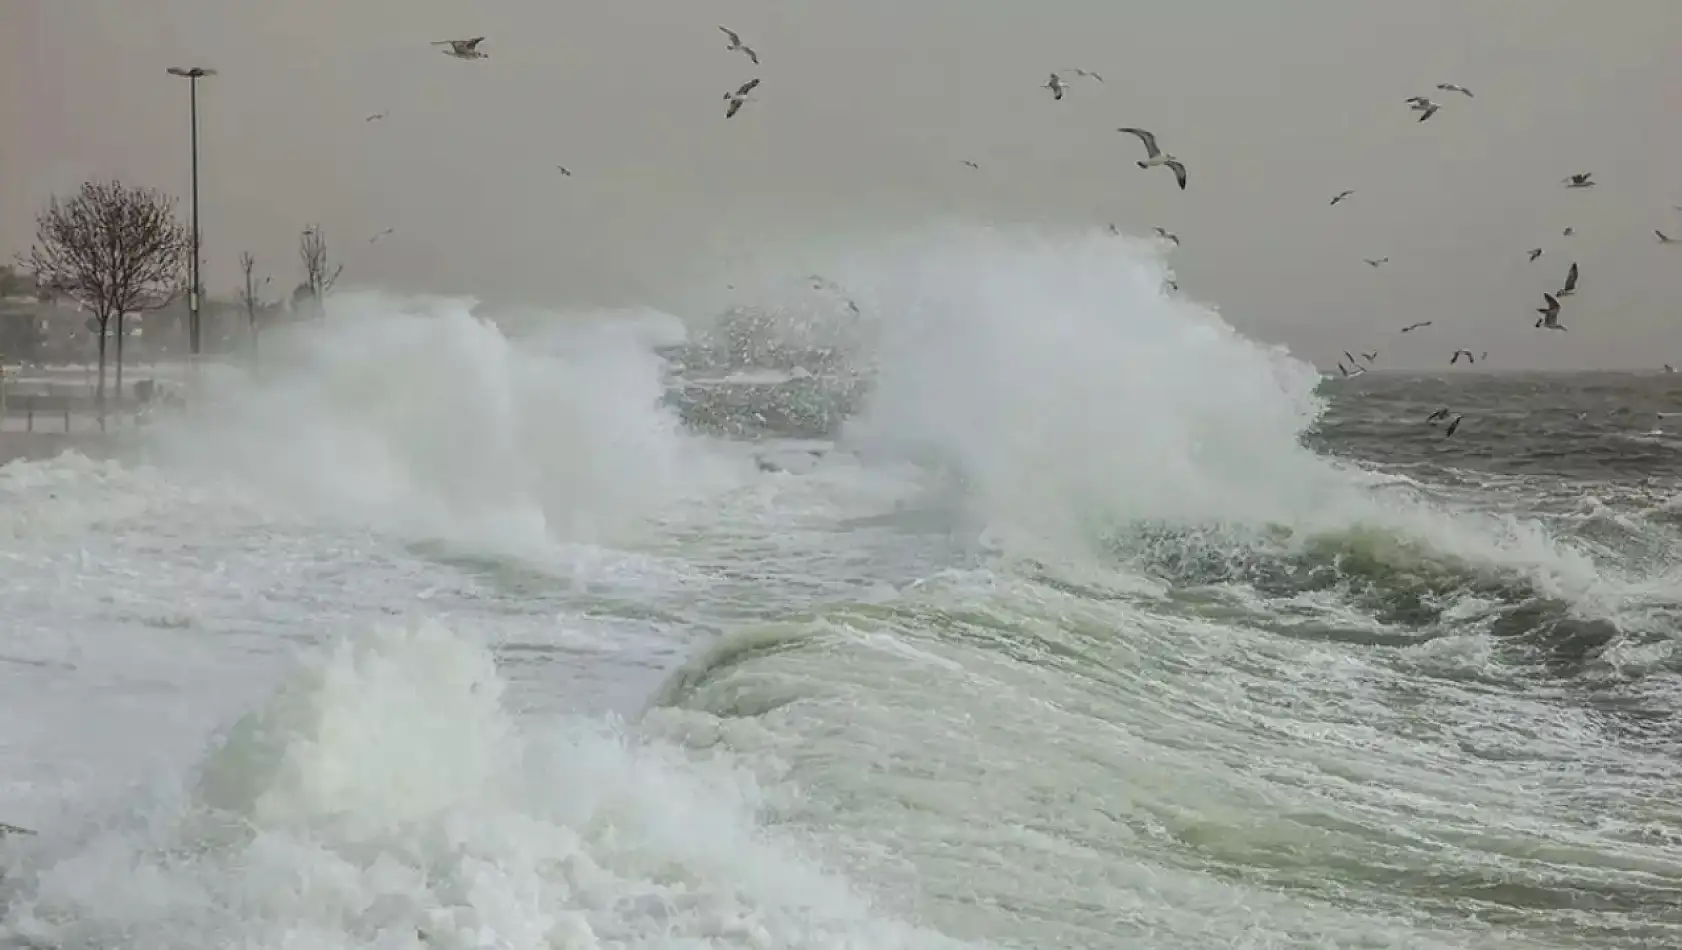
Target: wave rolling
980 593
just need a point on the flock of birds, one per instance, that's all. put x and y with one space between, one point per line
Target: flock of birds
1156 156
469 49
1549 319
741 95
1549 312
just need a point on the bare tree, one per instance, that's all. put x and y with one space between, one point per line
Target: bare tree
250 297
319 273
115 249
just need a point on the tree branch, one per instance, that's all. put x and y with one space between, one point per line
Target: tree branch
112 248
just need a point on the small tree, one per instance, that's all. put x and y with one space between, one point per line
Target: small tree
115 249
319 273
250 298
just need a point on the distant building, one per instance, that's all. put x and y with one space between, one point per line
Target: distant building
43 331
23 331
222 326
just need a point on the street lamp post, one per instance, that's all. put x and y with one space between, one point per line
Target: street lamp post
193 74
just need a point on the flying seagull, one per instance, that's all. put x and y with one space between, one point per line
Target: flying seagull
1168 235
737 44
1056 85
1369 357
1114 229
1570 282
1437 416
1350 371
1580 180
1155 156
375 117
1666 239
1415 326
463 49
971 164
1376 261
1085 74
1453 87
381 235
1550 314
1535 252
564 170
1342 195
1453 425
738 97
1425 107
1460 353
1569 231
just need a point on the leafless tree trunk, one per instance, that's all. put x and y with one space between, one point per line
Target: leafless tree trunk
99 394
319 273
119 319
115 249
250 299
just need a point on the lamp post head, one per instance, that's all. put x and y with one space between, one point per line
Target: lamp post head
193 72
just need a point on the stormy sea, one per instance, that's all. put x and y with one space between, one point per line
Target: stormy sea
967 591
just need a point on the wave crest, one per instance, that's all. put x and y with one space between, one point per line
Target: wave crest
383 797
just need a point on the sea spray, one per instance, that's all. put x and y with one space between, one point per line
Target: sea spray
420 417
383 797
1398 712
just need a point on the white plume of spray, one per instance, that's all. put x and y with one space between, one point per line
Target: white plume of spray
417 415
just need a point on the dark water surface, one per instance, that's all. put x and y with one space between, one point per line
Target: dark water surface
1577 428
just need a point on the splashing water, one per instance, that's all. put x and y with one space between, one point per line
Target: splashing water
419 416
383 797
1053 631
1064 386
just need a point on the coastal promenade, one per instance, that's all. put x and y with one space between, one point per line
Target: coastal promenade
45 411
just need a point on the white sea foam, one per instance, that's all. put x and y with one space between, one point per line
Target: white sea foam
396 791
383 797
420 417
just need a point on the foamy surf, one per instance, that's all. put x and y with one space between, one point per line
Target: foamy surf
1013 609
385 797
426 419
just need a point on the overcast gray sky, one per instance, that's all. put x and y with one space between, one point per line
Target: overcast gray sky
866 109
